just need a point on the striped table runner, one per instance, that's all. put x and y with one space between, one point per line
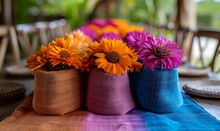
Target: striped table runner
189 117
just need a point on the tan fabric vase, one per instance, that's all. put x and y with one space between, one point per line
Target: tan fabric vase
57 92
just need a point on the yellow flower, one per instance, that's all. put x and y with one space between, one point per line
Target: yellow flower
128 28
105 29
120 22
114 58
109 29
37 59
79 40
124 27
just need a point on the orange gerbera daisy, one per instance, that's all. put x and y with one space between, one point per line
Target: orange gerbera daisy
61 42
110 29
134 56
128 28
105 29
120 22
62 53
88 56
79 40
114 58
59 55
38 59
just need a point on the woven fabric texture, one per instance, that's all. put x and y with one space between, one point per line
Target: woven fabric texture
57 92
108 94
158 90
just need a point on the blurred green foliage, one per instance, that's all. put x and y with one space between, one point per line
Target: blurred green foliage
22 8
152 11
208 13
75 11
159 12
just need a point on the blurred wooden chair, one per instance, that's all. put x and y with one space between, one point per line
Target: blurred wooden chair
183 36
8 38
44 32
215 64
208 44
63 26
28 37
58 28
48 31
159 30
180 36
32 35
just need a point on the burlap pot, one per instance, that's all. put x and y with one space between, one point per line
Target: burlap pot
157 91
108 94
57 92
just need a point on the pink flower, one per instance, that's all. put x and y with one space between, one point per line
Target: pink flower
89 32
98 21
135 39
160 52
102 22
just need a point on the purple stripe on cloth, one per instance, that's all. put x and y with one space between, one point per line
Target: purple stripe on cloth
129 122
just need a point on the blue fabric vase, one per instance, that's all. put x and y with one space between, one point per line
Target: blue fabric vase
157 91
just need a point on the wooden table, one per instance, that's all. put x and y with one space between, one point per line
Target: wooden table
209 104
8 106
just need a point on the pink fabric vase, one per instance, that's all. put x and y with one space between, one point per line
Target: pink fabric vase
108 94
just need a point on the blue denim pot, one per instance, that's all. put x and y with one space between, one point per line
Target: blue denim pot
157 91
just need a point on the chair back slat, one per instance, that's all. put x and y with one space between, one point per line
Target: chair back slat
180 36
8 37
206 38
3 49
32 35
28 38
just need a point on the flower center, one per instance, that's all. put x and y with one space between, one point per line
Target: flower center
64 54
113 57
92 57
160 51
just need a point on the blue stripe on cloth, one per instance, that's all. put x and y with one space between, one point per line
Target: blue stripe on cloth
190 116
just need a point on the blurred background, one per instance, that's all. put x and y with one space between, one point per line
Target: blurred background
183 21
78 12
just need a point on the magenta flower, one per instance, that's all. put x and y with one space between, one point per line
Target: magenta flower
160 52
111 22
135 39
110 35
98 22
89 32
102 22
